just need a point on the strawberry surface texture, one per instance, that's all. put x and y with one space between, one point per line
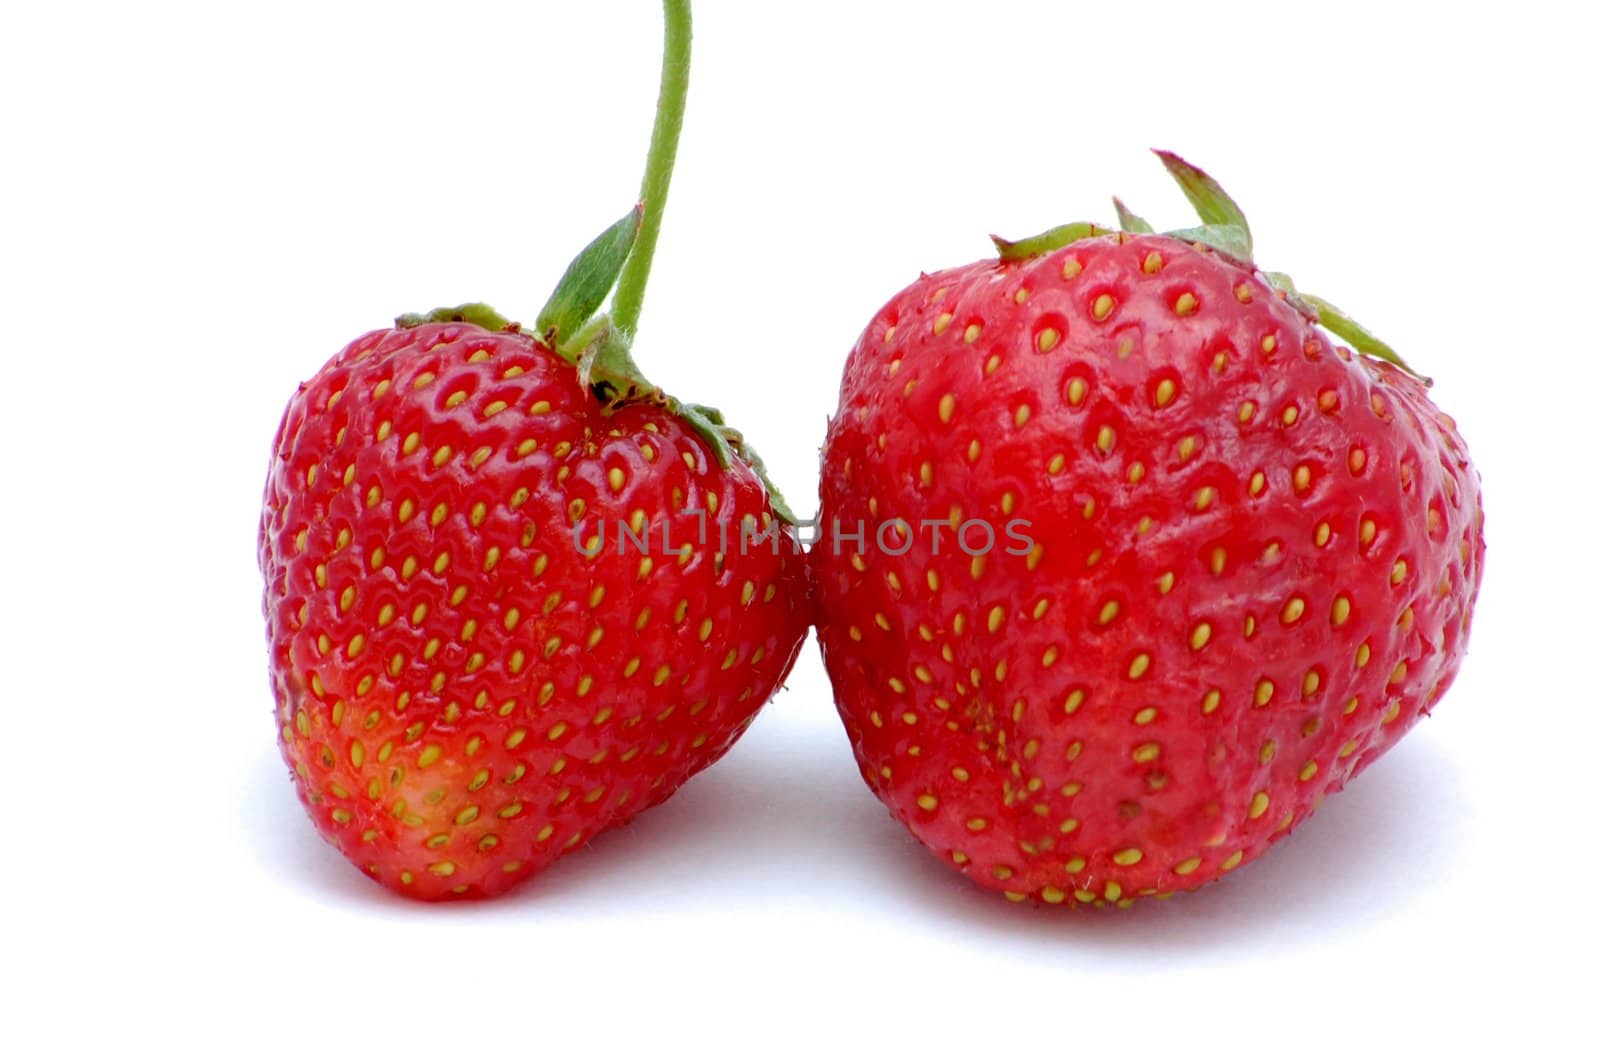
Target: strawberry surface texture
1214 563
475 672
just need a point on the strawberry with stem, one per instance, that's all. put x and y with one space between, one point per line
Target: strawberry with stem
516 593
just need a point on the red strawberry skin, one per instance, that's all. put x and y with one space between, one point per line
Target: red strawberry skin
462 695
1251 566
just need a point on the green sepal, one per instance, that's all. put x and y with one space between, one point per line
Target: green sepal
587 282
1130 222
480 314
1228 239
1044 243
1353 333
1340 324
607 368
1284 284
725 442
1214 206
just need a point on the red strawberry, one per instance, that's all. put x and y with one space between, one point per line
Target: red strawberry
1245 567
513 592
462 694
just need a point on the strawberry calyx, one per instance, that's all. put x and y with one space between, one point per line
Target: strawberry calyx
1224 230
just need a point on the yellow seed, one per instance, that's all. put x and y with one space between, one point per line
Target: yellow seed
1341 610
1264 691
1166 391
1048 339
947 408
1187 867
1258 805
1139 666
1077 389
1294 609
1200 636
1146 753
1102 308
1308 770
1127 858
928 803
941 323
997 617
1185 305
1233 861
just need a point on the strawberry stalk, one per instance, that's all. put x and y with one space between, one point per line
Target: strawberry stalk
629 299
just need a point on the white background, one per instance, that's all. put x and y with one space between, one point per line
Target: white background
204 202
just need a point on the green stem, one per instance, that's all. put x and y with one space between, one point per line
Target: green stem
629 298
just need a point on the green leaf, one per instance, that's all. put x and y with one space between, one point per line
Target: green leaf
1214 206
1130 222
1356 335
1059 237
1228 239
588 281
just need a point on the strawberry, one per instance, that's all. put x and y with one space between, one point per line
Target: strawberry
515 595
463 694
1199 564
